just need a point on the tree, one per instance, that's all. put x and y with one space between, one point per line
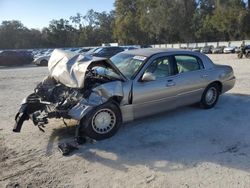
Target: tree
138 22
127 29
186 13
105 23
228 17
11 34
60 33
167 20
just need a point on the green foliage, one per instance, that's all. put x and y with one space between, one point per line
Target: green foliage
14 35
127 29
138 22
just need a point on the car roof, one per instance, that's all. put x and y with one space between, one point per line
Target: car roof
111 47
147 52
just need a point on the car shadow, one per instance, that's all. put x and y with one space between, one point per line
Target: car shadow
176 140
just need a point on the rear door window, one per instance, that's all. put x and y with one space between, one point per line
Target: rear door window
187 63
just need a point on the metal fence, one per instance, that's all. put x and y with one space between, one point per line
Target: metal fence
202 44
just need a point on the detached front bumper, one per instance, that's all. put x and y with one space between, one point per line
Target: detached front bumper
20 117
29 105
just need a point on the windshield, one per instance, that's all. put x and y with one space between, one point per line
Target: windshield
128 64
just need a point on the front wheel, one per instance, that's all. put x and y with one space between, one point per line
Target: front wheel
210 96
240 55
102 122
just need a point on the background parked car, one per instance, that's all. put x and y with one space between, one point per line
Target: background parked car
207 49
42 60
83 50
106 52
230 49
15 58
218 50
129 48
244 51
196 49
146 46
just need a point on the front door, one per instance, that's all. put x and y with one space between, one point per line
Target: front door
157 95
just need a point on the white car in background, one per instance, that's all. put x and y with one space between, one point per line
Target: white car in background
42 60
230 49
42 57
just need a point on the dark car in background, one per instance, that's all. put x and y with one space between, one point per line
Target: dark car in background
245 50
207 49
146 46
107 51
83 50
15 58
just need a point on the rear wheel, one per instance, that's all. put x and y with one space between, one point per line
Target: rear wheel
44 62
102 122
210 96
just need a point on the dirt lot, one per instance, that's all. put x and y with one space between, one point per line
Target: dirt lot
187 147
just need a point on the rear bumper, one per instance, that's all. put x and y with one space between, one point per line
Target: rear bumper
228 84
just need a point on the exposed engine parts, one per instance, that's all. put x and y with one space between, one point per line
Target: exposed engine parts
75 86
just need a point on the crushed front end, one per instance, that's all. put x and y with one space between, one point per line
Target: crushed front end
75 85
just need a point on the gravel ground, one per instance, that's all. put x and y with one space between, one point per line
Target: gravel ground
187 147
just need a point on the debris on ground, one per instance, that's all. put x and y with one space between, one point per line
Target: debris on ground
67 148
13 185
150 178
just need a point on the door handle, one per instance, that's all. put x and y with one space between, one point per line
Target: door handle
170 83
204 76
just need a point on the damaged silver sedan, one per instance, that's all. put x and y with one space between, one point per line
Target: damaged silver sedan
102 94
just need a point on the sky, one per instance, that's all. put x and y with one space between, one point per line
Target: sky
38 13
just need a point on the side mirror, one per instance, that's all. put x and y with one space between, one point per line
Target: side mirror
147 76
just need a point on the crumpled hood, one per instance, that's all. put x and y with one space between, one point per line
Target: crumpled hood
69 68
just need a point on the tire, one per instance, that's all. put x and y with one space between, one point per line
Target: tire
240 55
210 96
248 55
95 129
44 62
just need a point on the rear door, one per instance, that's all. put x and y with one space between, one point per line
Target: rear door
192 78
